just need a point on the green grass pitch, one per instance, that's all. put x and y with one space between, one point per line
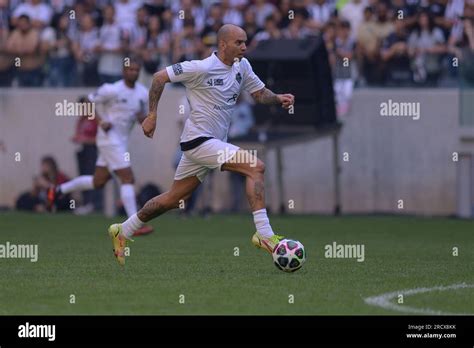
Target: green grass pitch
195 257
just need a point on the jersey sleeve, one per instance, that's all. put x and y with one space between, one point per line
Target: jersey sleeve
251 82
105 93
185 72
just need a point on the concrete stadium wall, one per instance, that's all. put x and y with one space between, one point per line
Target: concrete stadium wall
390 158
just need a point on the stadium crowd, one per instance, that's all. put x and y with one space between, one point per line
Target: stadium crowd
83 42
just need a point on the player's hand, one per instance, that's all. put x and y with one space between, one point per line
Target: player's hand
149 125
286 100
105 126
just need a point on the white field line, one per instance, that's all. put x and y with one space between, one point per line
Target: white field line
384 300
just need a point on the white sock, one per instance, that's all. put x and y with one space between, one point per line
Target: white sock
262 223
127 194
132 224
81 183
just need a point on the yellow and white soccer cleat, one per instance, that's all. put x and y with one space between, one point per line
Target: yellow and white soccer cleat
267 244
119 242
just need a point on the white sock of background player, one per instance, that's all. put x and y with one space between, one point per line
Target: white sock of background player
127 194
81 183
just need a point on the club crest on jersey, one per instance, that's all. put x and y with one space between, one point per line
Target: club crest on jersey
238 77
177 69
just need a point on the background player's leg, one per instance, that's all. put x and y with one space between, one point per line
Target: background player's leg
253 169
127 191
101 176
180 190
86 182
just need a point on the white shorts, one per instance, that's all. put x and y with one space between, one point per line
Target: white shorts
211 154
113 157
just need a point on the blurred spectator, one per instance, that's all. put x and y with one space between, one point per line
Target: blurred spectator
452 16
344 51
395 56
239 5
353 12
91 8
320 11
135 38
40 14
186 43
167 20
4 15
426 47
31 200
463 48
155 7
383 23
59 6
270 31
186 10
297 27
6 60
231 14
125 14
84 51
436 9
464 40
209 33
24 43
110 48
262 10
369 38
329 37
58 44
282 15
404 13
156 48
86 130
35 199
250 25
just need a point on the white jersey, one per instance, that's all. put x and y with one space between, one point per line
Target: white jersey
120 105
212 89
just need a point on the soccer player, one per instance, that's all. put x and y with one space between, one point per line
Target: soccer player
122 104
212 87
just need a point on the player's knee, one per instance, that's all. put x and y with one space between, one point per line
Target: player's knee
127 178
99 182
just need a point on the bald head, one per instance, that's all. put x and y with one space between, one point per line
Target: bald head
229 32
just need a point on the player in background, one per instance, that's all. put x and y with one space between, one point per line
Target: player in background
120 105
212 87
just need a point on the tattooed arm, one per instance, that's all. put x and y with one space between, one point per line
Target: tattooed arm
154 95
265 96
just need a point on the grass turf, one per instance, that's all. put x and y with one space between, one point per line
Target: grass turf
195 257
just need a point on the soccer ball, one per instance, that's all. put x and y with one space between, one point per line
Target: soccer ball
289 255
